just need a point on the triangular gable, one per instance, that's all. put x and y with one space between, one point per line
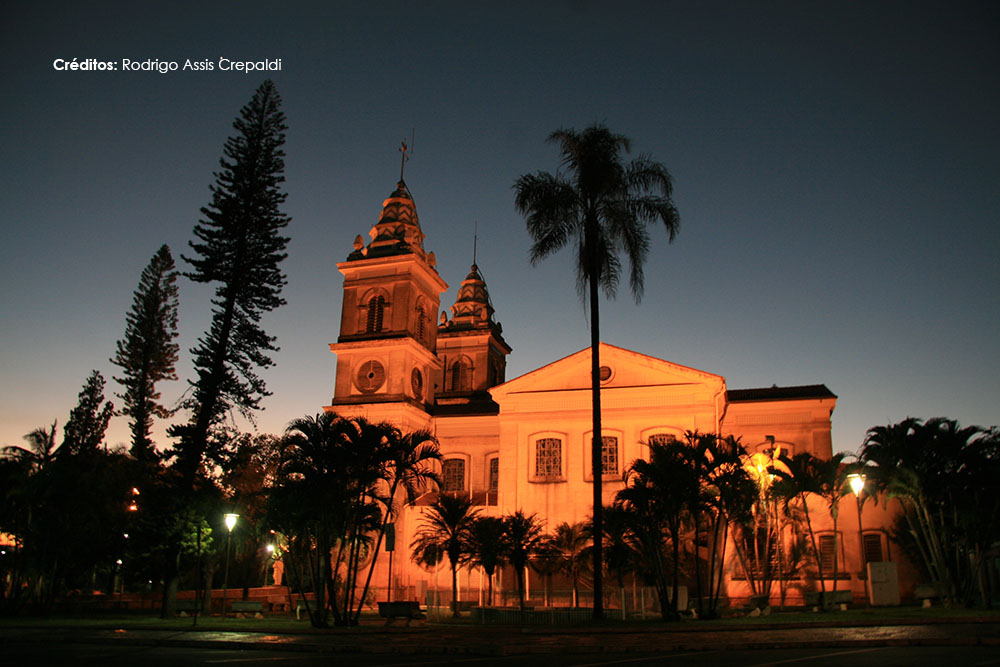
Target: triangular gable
628 369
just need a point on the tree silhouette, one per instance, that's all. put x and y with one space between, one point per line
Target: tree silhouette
488 548
524 537
446 531
238 248
600 205
88 421
147 353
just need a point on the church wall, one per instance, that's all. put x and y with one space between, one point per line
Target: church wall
801 425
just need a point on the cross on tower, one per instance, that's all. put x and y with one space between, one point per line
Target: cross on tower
402 164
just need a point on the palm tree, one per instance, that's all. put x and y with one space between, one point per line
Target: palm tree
945 477
658 492
569 542
313 492
404 464
804 477
524 537
488 547
601 205
619 551
446 531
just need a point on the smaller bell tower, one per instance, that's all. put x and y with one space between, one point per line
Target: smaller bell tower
472 351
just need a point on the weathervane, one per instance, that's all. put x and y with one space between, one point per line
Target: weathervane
475 241
404 149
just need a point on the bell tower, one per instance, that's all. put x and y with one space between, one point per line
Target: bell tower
386 362
472 351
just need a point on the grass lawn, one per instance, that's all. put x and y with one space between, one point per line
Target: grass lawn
286 623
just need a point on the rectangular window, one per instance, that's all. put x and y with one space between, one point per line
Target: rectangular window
453 474
827 544
662 439
548 457
873 547
494 484
609 455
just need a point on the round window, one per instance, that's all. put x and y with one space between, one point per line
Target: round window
605 373
370 376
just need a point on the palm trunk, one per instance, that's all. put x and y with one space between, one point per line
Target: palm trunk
454 588
815 546
595 450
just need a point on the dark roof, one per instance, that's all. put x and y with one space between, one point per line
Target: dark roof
776 393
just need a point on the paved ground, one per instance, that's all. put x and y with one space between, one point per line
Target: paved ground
457 641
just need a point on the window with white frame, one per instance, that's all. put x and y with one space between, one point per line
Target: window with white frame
609 455
548 458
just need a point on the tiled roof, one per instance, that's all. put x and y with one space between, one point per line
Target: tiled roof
776 393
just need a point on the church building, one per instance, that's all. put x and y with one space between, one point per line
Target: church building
523 443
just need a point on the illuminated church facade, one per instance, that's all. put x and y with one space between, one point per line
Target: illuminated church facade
523 443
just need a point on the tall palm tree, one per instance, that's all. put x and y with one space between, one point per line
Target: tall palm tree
601 204
446 531
524 538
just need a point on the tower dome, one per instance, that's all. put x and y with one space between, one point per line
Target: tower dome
397 231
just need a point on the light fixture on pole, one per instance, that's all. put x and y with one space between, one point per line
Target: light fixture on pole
230 523
269 550
857 483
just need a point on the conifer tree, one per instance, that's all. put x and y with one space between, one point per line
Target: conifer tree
88 421
147 353
238 248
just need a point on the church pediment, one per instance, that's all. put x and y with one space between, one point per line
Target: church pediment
621 369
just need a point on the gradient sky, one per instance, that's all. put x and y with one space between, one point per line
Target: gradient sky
835 166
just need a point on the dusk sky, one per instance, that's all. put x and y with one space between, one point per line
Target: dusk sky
836 167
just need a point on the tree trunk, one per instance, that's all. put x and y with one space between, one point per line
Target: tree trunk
595 449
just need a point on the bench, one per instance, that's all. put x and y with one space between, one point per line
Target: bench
840 597
926 593
185 606
408 609
255 607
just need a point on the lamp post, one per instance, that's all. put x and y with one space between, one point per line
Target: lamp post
269 550
857 482
230 523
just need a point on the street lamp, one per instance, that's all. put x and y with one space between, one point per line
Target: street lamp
230 523
269 549
857 483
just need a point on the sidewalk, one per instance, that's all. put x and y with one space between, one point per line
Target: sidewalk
500 641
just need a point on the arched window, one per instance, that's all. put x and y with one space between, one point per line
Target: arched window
376 309
548 458
420 325
461 375
662 439
453 476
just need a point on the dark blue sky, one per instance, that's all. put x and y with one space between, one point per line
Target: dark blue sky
835 165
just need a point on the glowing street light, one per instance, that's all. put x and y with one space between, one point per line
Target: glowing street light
857 484
230 524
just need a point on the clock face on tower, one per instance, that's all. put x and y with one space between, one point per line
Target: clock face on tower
417 382
370 376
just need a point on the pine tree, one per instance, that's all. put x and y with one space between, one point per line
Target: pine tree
238 248
147 353
88 421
